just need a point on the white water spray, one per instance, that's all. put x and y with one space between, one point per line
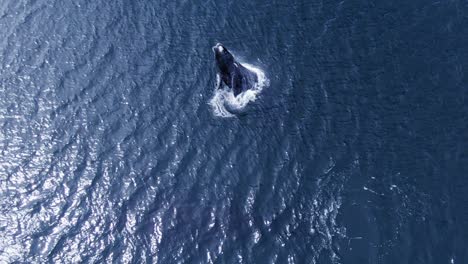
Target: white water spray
224 99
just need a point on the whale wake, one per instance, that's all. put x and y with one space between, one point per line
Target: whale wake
225 104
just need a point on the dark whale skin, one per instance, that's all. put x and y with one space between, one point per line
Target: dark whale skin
232 73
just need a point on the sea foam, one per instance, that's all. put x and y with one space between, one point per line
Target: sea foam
225 104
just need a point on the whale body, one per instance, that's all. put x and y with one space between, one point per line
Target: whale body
231 72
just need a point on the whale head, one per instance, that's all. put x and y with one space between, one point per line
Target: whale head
219 48
224 58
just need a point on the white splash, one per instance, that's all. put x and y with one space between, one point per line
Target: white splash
224 99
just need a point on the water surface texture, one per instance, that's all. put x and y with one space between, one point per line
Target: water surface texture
355 152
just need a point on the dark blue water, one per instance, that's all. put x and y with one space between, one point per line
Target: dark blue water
354 151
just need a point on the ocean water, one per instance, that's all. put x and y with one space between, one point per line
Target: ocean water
115 146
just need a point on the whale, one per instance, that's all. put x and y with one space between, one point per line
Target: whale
232 73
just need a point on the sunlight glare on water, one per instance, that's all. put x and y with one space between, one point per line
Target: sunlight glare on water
115 146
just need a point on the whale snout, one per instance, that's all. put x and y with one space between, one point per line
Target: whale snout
218 48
